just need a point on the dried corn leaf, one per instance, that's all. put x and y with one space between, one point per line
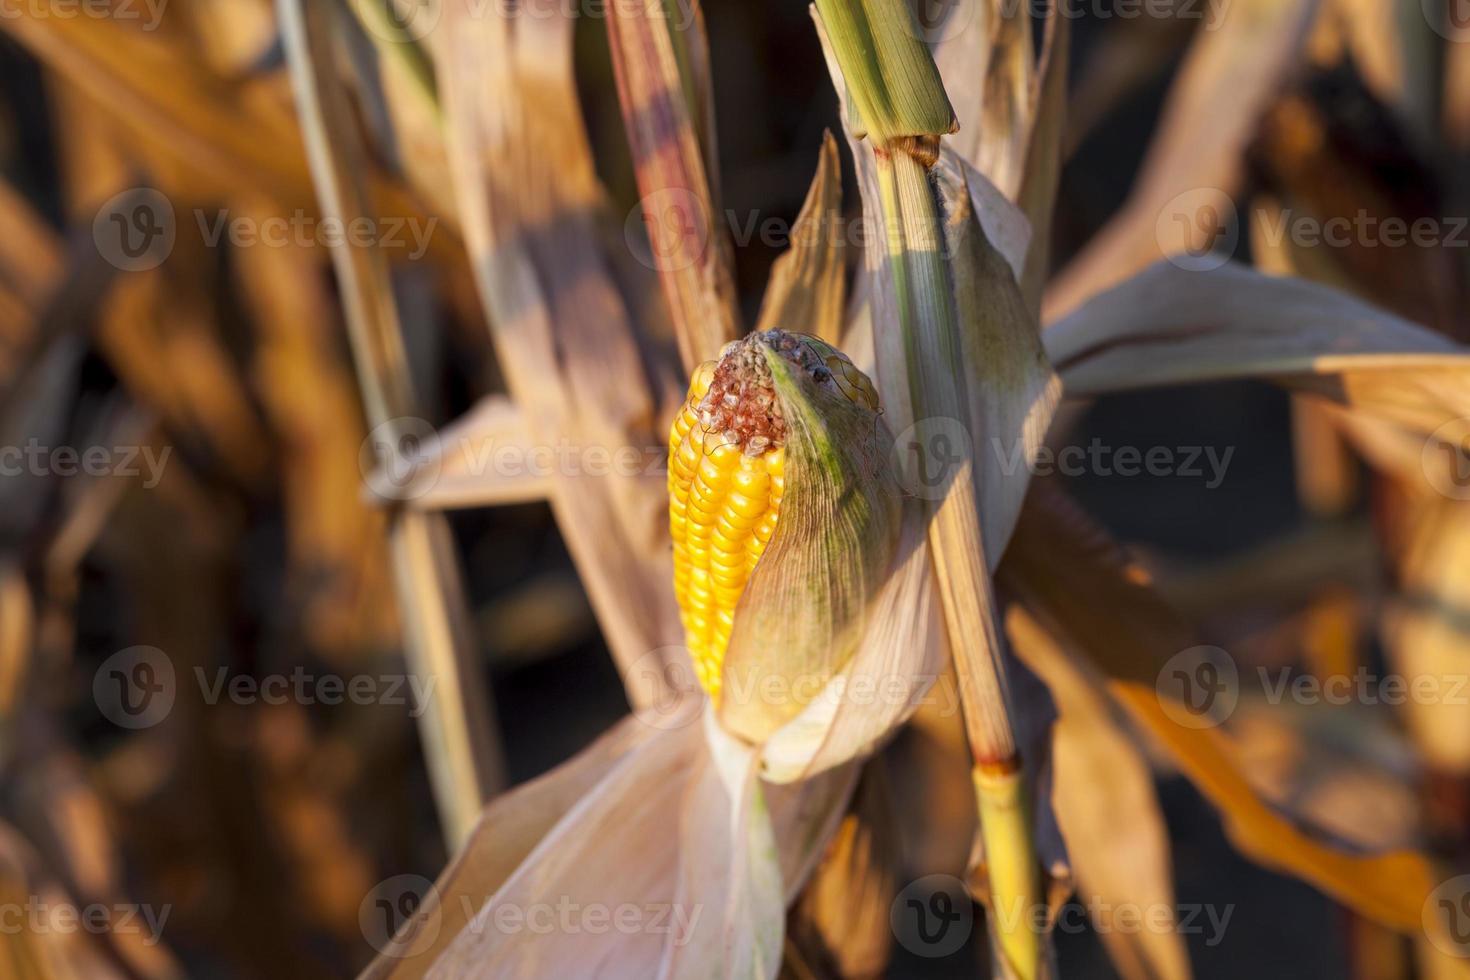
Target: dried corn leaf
1037 195
1229 77
1172 326
485 458
1426 633
841 920
661 60
1097 609
1393 47
207 121
1108 813
465 761
562 334
807 288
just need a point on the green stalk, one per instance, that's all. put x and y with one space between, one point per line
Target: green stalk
904 117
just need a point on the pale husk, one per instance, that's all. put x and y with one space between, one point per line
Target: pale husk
806 606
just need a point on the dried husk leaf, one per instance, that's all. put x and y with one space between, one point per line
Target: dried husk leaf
807 604
595 833
507 832
1012 388
611 847
729 868
886 680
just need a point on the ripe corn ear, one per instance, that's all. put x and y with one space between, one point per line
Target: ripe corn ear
727 479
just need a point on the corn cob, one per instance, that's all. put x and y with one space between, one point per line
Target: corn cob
727 476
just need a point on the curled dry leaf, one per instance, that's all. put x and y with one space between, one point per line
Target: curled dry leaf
1170 325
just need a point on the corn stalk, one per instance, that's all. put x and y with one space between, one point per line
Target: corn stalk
896 99
465 766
